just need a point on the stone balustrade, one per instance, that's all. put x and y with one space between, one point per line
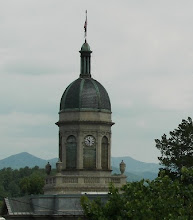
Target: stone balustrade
57 180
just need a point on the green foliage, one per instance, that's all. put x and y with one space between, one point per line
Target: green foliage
25 181
162 198
169 196
32 184
93 210
177 150
1 205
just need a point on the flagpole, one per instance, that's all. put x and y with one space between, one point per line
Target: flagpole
85 27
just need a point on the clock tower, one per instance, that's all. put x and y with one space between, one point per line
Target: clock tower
84 136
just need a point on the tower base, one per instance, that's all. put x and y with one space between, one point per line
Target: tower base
82 182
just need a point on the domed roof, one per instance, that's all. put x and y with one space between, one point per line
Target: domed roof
85 47
85 94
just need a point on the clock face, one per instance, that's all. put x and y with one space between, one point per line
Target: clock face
89 140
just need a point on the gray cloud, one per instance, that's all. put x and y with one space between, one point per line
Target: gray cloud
142 54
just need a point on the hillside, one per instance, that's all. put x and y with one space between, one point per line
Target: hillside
135 170
25 159
135 165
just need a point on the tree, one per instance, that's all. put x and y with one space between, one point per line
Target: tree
177 150
32 185
15 183
169 196
162 198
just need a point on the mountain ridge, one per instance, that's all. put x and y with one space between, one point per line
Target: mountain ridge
135 170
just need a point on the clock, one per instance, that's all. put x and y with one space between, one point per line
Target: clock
89 140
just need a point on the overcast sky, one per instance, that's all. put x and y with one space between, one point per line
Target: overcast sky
142 55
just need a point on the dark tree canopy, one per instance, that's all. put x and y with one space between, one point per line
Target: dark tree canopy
15 183
177 150
169 196
25 181
162 198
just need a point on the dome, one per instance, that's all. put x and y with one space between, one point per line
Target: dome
85 94
85 47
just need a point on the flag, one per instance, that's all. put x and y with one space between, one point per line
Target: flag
85 25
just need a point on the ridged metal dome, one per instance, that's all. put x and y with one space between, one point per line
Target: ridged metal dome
85 94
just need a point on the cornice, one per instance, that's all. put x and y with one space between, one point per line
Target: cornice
84 122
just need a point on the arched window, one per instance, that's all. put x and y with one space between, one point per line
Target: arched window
71 152
89 155
60 146
104 153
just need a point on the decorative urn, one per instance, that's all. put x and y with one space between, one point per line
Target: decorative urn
48 168
59 166
122 167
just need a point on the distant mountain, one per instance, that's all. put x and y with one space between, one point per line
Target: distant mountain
133 165
25 159
135 170
130 176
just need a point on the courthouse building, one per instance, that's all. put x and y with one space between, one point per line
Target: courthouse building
84 164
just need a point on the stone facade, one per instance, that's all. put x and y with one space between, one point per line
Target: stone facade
46 207
84 164
79 170
80 125
84 137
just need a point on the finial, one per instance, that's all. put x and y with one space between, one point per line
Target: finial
85 27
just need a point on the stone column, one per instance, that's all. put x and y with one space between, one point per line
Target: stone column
98 152
80 151
64 152
109 152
